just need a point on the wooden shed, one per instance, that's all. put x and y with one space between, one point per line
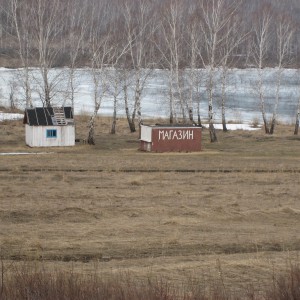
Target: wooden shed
167 138
49 126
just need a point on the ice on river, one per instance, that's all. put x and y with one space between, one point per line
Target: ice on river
242 99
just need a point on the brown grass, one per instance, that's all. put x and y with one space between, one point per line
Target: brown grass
229 213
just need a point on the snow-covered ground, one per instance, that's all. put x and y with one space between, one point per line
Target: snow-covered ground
237 127
242 100
10 116
23 153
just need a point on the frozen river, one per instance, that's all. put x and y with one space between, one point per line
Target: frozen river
241 93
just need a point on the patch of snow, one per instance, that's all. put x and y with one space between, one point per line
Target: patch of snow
24 153
10 116
237 127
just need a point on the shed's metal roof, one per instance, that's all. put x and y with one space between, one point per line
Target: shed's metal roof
43 116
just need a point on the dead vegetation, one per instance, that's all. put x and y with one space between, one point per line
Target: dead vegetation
230 213
30 283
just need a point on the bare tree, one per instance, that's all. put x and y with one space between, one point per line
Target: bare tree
139 27
172 27
233 37
192 73
297 118
284 33
77 24
47 25
267 28
100 83
12 97
102 45
116 80
101 50
20 15
115 75
216 15
260 48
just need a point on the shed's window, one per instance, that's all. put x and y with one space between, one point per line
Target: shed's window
51 133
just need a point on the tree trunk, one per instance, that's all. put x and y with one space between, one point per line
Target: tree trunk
137 102
212 131
296 126
171 102
274 116
198 114
47 96
273 123
262 102
179 91
114 121
198 108
129 119
224 125
191 115
28 101
224 76
297 119
266 125
199 120
171 119
91 135
224 118
171 107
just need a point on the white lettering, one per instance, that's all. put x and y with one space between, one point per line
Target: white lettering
185 135
160 132
180 134
176 134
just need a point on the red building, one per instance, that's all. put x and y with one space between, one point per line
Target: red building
167 138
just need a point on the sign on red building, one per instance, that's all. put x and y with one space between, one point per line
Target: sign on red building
161 138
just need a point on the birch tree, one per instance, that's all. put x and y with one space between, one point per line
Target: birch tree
116 78
116 93
193 75
297 108
47 20
101 50
216 15
77 24
105 52
172 30
20 15
233 38
296 130
260 47
264 36
139 27
284 33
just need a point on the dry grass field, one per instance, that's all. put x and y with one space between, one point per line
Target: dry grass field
230 213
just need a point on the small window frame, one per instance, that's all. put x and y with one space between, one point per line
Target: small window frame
51 133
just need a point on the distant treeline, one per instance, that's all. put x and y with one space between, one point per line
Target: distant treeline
152 33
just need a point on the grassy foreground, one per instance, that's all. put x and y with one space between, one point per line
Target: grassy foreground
225 220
